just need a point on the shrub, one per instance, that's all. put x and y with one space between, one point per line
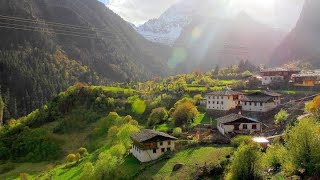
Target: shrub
87 171
71 158
83 151
78 157
237 141
177 132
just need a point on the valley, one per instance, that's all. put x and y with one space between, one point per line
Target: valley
208 90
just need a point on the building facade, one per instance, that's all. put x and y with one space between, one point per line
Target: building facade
223 100
260 101
149 145
238 124
277 75
306 79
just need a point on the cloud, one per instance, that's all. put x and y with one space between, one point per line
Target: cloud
139 11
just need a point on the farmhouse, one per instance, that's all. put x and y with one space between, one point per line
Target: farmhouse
238 124
149 145
277 75
260 101
306 79
223 100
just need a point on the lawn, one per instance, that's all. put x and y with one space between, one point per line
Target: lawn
204 119
190 158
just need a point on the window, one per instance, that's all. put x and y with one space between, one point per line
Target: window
161 143
221 102
163 150
245 103
217 97
213 102
255 104
245 126
254 126
217 102
208 102
221 97
168 149
154 151
169 143
261 104
214 97
250 103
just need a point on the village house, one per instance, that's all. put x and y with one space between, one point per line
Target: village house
238 124
306 79
277 75
224 100
149 145
260 101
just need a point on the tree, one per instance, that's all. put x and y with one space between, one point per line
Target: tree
177 131
281 117
185 113
1 110
314 107
302 142
70 158
87 171
245 163
83 151
157 116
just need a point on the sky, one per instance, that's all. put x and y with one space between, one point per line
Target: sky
279 13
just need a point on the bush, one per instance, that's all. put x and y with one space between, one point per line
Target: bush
177 132
87 171
71 158
237 141
83 151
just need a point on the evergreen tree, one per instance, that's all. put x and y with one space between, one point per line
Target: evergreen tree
2 105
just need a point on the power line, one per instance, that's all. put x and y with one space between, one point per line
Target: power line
49 32
59 30
19 19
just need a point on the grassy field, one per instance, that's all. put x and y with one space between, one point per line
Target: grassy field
190 158
204 119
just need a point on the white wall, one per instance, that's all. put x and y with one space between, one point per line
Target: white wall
222 103
225 129
149 155
256 107
266 80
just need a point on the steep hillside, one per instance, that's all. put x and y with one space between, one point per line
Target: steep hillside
303 42
47 45
209 42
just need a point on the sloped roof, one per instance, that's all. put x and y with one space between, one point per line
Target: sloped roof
147 134
279 69
226 92
234 117
264 96
256 98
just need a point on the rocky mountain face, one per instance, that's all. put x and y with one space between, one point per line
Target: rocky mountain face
303 42
168 27
48 45
208 42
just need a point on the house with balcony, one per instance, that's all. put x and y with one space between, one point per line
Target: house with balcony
260 101
224 100
149 145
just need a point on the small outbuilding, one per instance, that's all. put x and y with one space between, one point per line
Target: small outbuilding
149 145
238 124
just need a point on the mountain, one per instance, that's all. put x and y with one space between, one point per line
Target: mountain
208 42
303 42
168 27
47 45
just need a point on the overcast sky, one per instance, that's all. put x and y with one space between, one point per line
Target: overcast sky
283 13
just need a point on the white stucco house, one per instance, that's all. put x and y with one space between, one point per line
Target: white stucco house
238 124
224 100
149 145
260 101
